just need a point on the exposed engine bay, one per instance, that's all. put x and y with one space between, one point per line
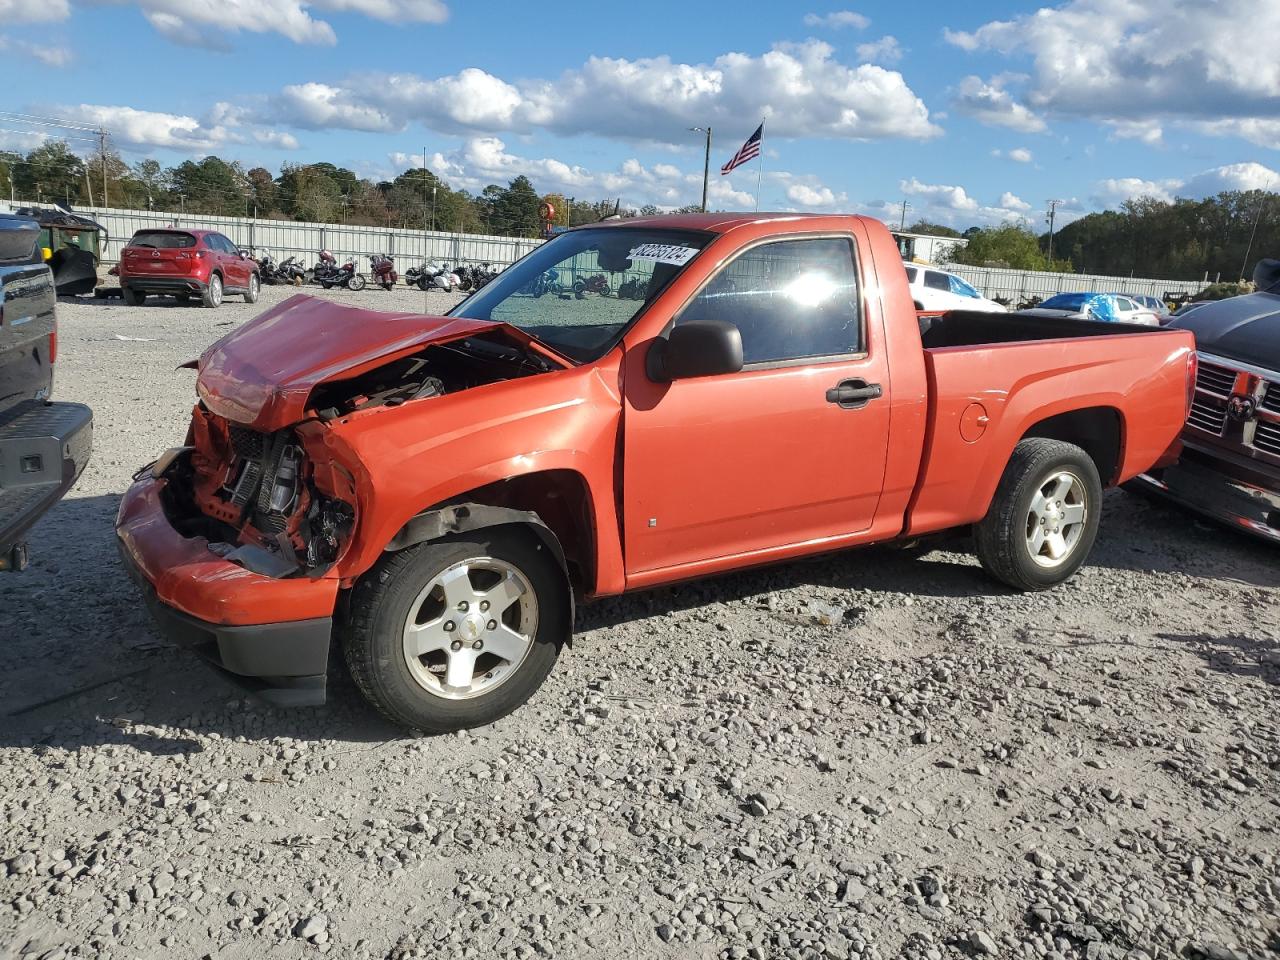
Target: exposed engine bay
435 371
254 496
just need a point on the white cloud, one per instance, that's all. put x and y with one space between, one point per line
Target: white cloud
1233 176
952 198
480 161
318 106
990 103
801 88
1265 132
884 51
33 11
391 11
1010 201
50 55
1020 155
808 196
1115 190
1138 64
132 129
1148 131
201 23
837 20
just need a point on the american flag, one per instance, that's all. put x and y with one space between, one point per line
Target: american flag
749 151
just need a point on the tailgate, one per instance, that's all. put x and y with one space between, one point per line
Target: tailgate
27 302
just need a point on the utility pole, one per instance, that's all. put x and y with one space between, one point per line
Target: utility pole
102 152
1053 210
706 163
902 222
1244 265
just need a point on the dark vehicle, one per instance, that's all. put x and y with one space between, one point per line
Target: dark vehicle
291 271
186 264
44 446
1230 463
74 245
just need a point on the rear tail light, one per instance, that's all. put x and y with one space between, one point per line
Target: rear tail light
1193 372
53 343
200 254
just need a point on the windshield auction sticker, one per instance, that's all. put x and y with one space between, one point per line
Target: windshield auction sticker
663 253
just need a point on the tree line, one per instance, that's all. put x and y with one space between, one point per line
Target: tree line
317 192
1182 239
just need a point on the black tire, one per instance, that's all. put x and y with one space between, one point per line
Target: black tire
380 606
132 297
211 295
1002 537
251 294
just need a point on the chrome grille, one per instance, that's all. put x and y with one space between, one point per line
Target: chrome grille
1271 399
1208 413
1267 437
1216 379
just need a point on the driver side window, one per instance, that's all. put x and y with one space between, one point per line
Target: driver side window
790 300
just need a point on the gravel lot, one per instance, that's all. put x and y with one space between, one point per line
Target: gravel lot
860 756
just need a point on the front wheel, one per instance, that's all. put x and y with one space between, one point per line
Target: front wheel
356 282
460 632
1044 518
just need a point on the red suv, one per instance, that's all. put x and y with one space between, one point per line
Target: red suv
184 264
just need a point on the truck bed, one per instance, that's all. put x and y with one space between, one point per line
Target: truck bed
996 378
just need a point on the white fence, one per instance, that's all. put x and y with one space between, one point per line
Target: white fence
290 238
1017 285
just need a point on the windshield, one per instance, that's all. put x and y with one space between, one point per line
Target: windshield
578 292
1067 301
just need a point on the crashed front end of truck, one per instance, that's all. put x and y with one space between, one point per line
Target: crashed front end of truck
238 537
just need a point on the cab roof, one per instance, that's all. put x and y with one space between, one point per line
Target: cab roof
717 222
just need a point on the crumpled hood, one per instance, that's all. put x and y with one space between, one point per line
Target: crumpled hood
1240 328
262 373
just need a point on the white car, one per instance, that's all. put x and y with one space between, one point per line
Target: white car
1108 307
938 290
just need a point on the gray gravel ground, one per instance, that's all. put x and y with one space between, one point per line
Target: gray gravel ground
861 756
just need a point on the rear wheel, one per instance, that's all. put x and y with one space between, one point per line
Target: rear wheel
134 298
211 296
457 633
251 294
1044 517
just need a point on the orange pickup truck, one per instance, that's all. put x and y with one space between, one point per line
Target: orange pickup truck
634 403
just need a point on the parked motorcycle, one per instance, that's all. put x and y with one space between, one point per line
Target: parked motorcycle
546 282
328 274
633 288
433 276
383 268
266 267
598 284
291 271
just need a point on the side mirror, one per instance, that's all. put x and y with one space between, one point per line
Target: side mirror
702 348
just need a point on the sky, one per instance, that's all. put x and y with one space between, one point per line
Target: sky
971 113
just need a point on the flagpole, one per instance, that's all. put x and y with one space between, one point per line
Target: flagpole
760 169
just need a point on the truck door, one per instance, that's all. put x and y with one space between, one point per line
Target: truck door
789 450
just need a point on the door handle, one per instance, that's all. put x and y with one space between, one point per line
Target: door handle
852 394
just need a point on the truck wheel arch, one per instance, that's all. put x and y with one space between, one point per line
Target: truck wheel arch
555 505
1099 431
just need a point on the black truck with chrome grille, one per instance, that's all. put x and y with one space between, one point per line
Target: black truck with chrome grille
43 445
1230 463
